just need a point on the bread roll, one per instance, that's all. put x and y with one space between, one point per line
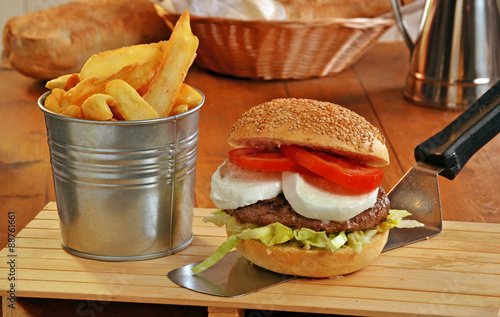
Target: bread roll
56 41
318 9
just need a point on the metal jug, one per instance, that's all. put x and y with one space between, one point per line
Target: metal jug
456 56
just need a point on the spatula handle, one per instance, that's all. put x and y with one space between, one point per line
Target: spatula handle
461 139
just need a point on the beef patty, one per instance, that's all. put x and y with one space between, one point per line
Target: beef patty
278 209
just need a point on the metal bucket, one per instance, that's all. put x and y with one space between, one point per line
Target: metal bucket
124 189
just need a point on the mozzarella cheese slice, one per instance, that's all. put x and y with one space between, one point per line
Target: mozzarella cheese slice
233 187
315 203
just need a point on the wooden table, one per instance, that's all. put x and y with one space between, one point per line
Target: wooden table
372 87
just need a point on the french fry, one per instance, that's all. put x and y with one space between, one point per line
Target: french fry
179 55
178 109
93 85
97 107
106 64
143 90
58 93
59 82
52 104
188 96
141 75
72 81
83 90
73 111
129 104
186 99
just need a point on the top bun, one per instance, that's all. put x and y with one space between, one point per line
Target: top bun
315 124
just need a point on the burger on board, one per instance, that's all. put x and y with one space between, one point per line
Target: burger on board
300 193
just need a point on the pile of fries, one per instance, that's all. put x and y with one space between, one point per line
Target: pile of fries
138 82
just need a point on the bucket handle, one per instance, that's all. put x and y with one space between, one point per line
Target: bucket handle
396 7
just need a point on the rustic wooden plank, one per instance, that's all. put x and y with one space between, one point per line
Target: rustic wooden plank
412 281
306 288
51 205
38 243
260 300
75 278
375 283
157 268
406 268
437 264
47 214
426 280
225 312
43 224
471 236
474 258
211 231
457 244
38 233
471 226
202 212
336 288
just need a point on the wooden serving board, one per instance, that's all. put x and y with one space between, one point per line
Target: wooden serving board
457 273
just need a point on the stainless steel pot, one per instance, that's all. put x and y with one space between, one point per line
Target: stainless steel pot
456 56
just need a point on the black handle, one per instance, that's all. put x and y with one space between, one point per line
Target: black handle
460 140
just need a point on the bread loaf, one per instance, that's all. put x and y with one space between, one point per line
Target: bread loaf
49 43
319 9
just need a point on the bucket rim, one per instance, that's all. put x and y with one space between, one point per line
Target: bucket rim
41 101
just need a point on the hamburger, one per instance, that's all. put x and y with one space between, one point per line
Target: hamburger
300 192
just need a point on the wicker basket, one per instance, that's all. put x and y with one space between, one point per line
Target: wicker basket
282 49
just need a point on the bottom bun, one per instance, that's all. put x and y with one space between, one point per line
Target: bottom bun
290 260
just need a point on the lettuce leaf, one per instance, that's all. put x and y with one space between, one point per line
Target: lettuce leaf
358 239
319 239
223 249
272 234
404 223
276 233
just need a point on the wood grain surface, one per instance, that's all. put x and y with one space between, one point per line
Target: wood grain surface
453 274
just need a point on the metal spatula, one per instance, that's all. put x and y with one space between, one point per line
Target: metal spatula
444 154
232 276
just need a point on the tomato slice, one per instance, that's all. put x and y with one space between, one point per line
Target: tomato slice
343 171
259 159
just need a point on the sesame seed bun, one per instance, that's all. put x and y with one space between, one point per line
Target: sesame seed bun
316 124
290 260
